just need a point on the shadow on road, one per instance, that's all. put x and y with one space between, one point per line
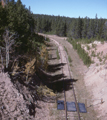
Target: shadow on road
54 68
55 82
59 86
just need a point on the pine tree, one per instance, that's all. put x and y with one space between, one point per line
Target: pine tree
19 2
85 27
79 28
29 9
53 26
72 29
105 30
90 33
13 1
43 25
65 29
38 27
3 19
96 28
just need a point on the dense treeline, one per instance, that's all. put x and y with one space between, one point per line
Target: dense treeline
17 32
78 28
17 19
22 53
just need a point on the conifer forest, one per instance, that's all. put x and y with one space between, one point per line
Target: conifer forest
78 28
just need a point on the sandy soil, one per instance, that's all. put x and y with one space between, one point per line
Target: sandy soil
84 94
96 80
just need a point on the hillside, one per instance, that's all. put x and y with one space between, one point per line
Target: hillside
23 55
96 80
45 59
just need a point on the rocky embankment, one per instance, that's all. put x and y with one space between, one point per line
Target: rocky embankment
12 104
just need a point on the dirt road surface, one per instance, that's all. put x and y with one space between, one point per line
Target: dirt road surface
78 70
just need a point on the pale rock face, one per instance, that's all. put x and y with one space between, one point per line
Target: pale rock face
12 104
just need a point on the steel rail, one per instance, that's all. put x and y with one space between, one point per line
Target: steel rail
63 87
71 84
79 118
72 88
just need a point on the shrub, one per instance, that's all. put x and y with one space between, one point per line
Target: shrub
93 54
58 57
102 53
69 59
100 59
82 53
104 61
98 54
88 47
94 45
65 49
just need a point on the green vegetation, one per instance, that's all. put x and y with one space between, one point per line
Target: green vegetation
17 23
101 53
104 61
100 59
65 49
98 54
86 29
69 59
102 42
105 57
57 52
96 64
82 53
94 45
88 47
21 49
93 54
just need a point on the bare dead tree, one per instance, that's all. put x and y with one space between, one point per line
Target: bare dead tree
9 39
2 66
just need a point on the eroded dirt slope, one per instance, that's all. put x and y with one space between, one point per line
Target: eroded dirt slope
12 104
96 79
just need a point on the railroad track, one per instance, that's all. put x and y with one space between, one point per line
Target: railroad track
65 59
